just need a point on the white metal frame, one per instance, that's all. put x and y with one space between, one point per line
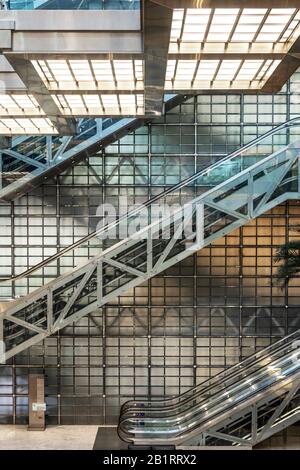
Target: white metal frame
97 286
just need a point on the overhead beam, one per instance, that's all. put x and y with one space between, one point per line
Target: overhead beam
73 20
286 68
228 4
72 31
36 87
84 42
157 30
226 55
281 74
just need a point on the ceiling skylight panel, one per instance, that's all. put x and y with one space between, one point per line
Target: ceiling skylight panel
103 71
60 70
290 30
195 25
127 101
207 69
222 23
110 101
26 101
170 69
228 69
139 70
75 103
82 71
275 24
249 70
19 104
43 70
176 30
185 69
124 71
176 24
23 126
140 100
247 26
92 102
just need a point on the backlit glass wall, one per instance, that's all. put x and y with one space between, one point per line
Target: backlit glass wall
176 330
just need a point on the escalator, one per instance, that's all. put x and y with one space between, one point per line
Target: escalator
241 406
193 214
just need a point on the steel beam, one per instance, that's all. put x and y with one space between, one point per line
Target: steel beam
24 158
36 87
157 29
72 20
285 69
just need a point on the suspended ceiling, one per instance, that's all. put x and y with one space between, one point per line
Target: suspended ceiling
60 65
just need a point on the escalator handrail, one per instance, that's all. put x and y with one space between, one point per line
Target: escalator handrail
248 362
181 184
189 429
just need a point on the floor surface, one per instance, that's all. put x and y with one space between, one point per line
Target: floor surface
53 438
95 437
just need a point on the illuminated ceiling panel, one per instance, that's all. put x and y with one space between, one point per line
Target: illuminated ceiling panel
100 105
79 74
192 28
19 105
95 68
19 126
210 74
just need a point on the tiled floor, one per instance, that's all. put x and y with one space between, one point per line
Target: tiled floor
54 437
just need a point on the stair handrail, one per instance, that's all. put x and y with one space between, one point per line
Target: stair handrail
149 202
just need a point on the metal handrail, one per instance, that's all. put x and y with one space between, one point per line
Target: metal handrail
181 184
190 412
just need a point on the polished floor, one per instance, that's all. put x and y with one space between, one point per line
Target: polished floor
95 437
53 438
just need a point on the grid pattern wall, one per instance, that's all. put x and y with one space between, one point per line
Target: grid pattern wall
202 315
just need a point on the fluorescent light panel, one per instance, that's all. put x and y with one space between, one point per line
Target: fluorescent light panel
223 25
100 105
33 126
208 74
19 105
80 74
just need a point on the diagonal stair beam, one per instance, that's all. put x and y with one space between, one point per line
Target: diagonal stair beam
252 178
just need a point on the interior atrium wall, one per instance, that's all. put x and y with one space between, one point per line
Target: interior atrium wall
205 314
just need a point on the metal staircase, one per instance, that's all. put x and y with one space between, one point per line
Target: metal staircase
247 183
241 406
31 160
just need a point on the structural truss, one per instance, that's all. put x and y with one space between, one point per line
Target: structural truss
147 241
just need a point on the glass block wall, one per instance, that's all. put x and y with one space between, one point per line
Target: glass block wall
203 315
